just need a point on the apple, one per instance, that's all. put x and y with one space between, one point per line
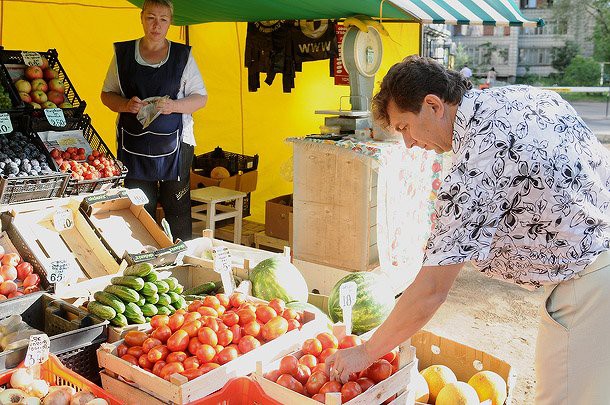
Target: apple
25 97
57 85
23 86
38 96
50 74
36 106
49 104
45 63
55 97
12 259
66 104
33 72
39 84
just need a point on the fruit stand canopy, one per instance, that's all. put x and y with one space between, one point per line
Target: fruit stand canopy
486 12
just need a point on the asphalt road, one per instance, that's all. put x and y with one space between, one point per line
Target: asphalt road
594 114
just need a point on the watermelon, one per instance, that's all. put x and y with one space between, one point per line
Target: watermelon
276 277
374 301
305 306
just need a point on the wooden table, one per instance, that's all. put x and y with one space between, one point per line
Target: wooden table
215 205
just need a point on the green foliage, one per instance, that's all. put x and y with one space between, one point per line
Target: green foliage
562 56
461 57
582 72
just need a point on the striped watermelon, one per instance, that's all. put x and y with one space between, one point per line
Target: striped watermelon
374 301
276 277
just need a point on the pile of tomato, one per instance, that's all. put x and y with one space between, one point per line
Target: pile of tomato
209 333
95 166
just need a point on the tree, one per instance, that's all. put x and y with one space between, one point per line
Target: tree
562 56
461 57
582 72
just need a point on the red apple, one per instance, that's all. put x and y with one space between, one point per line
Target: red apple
66 104
23 86
48 104
50 74
55 97
25 97
24 269
45 63
36 106
38 96
57 85
33 72
40 84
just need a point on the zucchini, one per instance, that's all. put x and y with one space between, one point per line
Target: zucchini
202 289
162 286
164 300
125 294
163 310
111 300
149 289
119 320
149 310
152 276
173 296
152 299
138 270
133 282
172 283
101 310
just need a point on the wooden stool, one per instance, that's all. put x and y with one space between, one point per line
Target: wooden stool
212 199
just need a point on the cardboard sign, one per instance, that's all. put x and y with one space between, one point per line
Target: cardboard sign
137 196
38 350
347 298
6 126
31 58
222 265
57 272
63 219
55 117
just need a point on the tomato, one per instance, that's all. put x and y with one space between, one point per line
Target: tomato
162 333
248 305
24 269
221 310
135 351
192 373
158 353
309 360
194 306
218 348
288 381
226 355
144 362
349 341
390 356
252 328
191 362
315 382
194 344
156 370
207 311
312 346
171 368
289 365
179 341
331 386
121 349
135 338
245 316
303 373
265 313
365 383
192 327
379 370
191 316
159 320
319 367
205 353
180 311
395 364
208 367
212 322
278 305
248 343
230 318
328 340
350 390
275 328
236 299
211 301
325 353
293 324
207 336
273 375
176 357
237 333
289 313
319 398
130 358
176 321
225 337
150 343
31 280
223 299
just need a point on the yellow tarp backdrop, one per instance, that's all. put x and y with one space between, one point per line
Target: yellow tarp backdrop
83 33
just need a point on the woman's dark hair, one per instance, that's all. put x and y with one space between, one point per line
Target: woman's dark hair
410 81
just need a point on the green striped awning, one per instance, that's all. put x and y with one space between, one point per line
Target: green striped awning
487 12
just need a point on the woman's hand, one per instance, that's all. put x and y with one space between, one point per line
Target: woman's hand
166 106
344 362
134 105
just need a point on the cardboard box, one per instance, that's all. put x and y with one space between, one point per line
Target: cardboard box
245 182
128 231
277 217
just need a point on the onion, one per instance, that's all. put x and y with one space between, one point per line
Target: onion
38 388
21 379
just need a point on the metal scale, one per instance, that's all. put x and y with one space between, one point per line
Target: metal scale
361 53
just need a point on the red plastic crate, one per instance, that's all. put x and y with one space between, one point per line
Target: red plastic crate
238 391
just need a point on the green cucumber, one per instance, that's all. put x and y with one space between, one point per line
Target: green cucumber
132 282
138 270
149 289
101 310
202 289
149 310
163 310
162 286
152 299
179 289
172 282
164 300
173 296
132 311
119 320
111 300
141 301
125 294
152 276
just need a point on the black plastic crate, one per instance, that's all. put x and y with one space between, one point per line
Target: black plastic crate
39 121
17 105
71 330
233 162
83 360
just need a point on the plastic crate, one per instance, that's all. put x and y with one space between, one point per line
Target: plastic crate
238 391
18 106
39 121
233 162
75 187
74 334
55 373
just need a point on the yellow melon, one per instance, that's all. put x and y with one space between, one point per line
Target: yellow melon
219 173
420 387
489 385
437 376
457 393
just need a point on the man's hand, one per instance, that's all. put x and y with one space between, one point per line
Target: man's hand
134 105
344 362
166 106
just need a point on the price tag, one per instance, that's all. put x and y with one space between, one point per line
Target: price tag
347 299
55 116
222 265
6 126
38 350
137 196
31 58
63 219
57 272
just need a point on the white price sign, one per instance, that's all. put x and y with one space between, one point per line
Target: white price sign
6 126
347 298
31 58
222 265
38 350
63 219
57 272
137 196
55 116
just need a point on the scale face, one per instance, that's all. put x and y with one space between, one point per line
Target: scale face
362 51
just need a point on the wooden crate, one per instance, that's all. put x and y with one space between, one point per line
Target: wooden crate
397 384
262 239
248 230
180 391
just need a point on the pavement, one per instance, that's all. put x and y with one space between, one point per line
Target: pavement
594 115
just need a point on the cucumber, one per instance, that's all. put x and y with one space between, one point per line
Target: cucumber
138 319
179 289
138 270
141 301
164 300
202 289
162 286
149 289
125 294
132 282
101 310
173 296
152 299
172 283
152 276
119 320
111 300
181 303
132 310
149 310
163 310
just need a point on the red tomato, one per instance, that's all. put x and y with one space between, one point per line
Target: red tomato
265 313
221 310
31 280
247 343
315 382
390 356
226 355
278 305
144 362
303 373
225 337
275 328
191 362
191 316
252 328
237 299
156 370
319 367
289 365
207 311
135 338
194 344
395 364
350 390
223 299
365 383
130 358
237 333
171 368
211 301
290 313
159 320
309 360
205 353
208 367
328 340
319 397
178 357
230 318
379 370
194 306
293 324
325 353
207 336
150 343
312 346
273 375
135 351
218 348
192 327
192 373
121 349
158 353
176 321
288 381
212 322
245 316
349 341
179 341
331 386
24 269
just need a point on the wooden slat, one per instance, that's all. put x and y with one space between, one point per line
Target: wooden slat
128 394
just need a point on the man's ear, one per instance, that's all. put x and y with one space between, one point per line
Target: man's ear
435 103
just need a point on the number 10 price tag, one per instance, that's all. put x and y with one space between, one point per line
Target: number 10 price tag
38 350
6 126
137 196
222 265
347 298
63 219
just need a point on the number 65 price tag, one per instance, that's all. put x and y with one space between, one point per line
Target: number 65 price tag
38 350
347 298
222 265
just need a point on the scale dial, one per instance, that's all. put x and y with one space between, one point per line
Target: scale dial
362 51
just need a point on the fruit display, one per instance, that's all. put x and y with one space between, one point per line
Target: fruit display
137 296
5 99
95 166
41 87
210 333
373 303
305 371
19 157
17 276
276 277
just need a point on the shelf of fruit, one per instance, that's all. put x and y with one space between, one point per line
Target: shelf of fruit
93 167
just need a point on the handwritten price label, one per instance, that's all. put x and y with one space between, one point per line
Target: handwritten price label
63 219
31 58
347 298
137 196
222 265
55 117
6 126
38 350
58 270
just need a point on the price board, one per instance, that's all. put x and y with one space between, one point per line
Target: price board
31 58
6 126
348 293
38 350
55 117
222 265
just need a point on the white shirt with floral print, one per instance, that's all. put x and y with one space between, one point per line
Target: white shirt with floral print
527 197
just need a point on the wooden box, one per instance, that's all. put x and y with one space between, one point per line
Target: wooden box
335 207
277 217
245 182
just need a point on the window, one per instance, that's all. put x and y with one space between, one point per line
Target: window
536 56
527 4
488 30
